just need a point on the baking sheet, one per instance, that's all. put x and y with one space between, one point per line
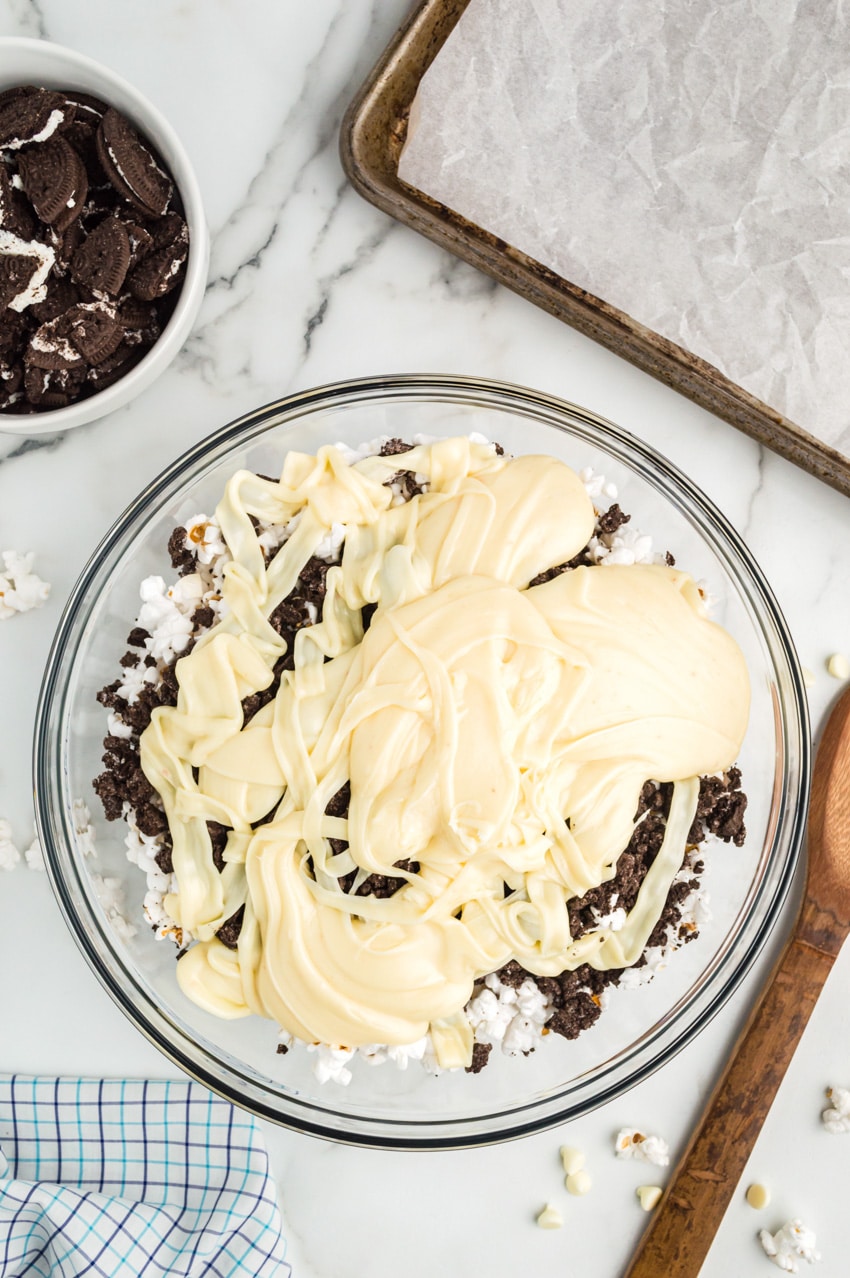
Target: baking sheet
372 142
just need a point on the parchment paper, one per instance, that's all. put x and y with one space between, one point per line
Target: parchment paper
689 163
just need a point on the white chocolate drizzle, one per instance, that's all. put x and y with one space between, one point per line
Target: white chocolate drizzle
496 734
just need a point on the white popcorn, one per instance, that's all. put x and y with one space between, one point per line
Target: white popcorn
133 680
20 588
512 1018
836 1119
34 856
203 536
793 1242
613 921
625 546
331 1063
116 727
110 894
328 547
631 1143
596 485
83 828
9 854
632 978
166 614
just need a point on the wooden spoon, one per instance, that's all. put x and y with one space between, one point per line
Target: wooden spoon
688 1216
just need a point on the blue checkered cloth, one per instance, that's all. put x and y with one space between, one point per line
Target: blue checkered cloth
119 1178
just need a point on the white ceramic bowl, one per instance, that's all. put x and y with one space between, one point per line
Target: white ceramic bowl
52 66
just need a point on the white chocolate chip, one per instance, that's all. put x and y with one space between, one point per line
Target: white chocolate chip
838 666
809 677
758 1196
578 1182
649 1196
550 1218
572 1159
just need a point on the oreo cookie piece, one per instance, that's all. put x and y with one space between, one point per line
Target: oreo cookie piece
169 230
51 348
94 330
16 216
53 388
61 296
140 320
130 166
11 382
160 272
140 240
16 271
31 115
66 244
113 368
55 180
14 334
100 263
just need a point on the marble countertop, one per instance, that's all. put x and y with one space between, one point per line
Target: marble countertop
308 284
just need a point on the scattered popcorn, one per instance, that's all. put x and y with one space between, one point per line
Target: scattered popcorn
34 856
572 1159
203 535
512 1018
836 1119
166 614
648 1149
789 1244
649 1196
578 1182
758 1196
596 485
838 666
9 854
550 1218
20 588
111 896
331 1063
83 828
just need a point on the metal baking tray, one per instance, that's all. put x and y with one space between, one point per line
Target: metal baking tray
371 139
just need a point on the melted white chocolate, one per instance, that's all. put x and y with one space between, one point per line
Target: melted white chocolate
494 734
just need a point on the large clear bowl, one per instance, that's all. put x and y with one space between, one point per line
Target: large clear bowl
383 1106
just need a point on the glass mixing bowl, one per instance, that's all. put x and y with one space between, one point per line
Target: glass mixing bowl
641 1028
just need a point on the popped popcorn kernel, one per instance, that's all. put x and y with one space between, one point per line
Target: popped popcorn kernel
20 588
631 1143
793 1242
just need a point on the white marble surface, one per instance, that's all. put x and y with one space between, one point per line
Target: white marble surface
308 284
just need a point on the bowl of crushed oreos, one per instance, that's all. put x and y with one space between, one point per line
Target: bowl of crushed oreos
421 761
103 243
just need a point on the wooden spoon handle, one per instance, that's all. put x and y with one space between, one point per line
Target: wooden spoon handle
683 1225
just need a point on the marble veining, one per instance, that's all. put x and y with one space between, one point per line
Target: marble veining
308 285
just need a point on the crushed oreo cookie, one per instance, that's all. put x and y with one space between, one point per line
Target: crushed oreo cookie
93 248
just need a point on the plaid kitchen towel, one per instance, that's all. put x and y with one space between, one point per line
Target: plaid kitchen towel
120 1178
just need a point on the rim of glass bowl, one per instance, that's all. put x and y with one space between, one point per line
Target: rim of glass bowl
605 1082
